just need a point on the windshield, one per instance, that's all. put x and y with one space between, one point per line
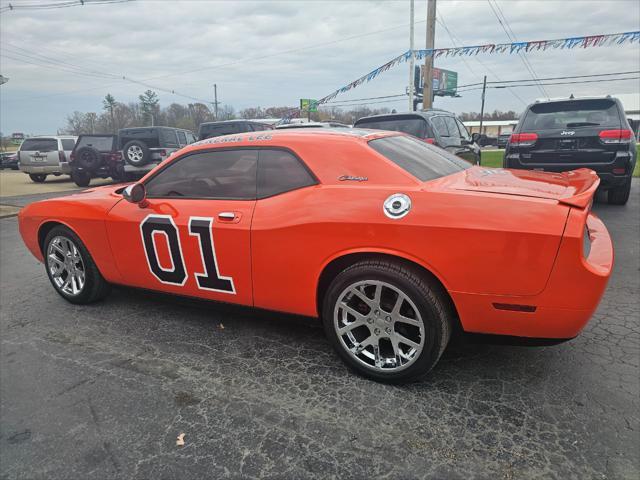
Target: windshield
39 145
102 144
420 159
571 114
411 125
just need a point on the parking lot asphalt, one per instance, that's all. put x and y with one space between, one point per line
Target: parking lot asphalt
103 391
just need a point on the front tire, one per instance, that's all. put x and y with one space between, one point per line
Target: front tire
620 195
38 177
70 268
387 321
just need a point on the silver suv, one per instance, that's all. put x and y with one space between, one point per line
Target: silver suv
42 156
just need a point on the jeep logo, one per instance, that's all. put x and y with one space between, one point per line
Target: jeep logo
568 132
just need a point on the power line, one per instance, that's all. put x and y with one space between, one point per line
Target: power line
441 21
555 78
490 70
368 98
65 4
512 37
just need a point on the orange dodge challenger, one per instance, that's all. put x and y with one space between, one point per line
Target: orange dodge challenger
393 242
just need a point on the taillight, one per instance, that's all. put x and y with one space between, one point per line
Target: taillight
619 171
615 136
163 153
523 139
430 140
115 157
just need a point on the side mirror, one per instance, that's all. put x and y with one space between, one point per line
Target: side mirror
135 193
475 137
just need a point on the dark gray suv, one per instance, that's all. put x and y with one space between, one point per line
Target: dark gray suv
438 127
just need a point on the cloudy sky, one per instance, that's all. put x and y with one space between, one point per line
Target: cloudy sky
271 53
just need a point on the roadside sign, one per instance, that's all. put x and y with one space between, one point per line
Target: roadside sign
308 105
445 82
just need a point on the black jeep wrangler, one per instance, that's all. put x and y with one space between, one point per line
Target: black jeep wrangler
126 156
144 145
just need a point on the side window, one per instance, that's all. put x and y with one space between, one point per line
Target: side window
169 138
464 133
450 122
190 137
225 174
68 144
440 126
182 138
279 171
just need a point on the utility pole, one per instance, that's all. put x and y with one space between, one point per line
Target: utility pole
412 59
215 100
427 90
484 88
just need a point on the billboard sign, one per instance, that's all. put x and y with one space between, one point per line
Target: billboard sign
308 105
445 82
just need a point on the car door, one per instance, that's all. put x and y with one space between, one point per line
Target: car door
191 235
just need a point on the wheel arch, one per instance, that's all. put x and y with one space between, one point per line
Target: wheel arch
46 227
337 264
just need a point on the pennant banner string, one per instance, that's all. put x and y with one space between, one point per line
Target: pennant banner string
612 39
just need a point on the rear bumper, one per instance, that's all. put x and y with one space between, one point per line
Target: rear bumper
31 168
573 292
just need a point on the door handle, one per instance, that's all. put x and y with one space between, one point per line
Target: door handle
228 216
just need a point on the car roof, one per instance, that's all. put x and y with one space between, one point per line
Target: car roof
235 120
421 114
297 134
541 101
60 137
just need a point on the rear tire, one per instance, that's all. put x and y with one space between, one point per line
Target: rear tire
376 347
89 158
81 178
38 177
620 195
70 268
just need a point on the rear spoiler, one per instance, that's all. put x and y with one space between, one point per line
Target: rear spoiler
585 182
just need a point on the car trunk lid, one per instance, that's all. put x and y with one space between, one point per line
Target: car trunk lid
575 188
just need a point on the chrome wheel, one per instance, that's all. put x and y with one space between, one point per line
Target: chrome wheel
135 153
379 325
66 266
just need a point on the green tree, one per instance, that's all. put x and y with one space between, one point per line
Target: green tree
109 103
149 104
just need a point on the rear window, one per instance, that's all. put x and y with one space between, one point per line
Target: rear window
572 114
418 158
39 145
411 125
102 144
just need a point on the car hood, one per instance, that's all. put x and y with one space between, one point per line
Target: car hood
575 188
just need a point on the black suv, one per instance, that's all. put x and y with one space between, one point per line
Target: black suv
228 127
130 154
562 135
95 156
438 127
143 145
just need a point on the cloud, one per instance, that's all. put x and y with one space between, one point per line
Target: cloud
187 46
